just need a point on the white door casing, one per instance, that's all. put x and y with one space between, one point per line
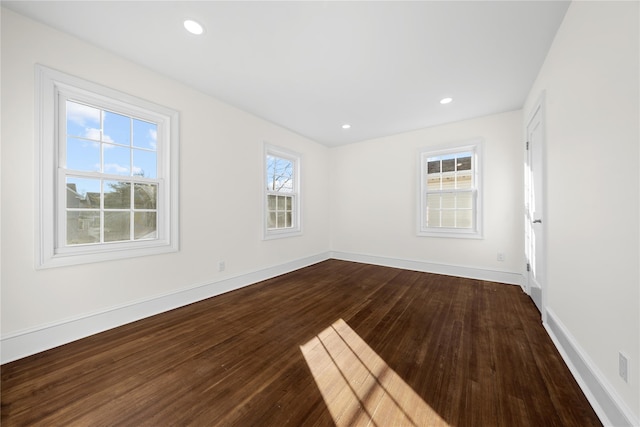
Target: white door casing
535 225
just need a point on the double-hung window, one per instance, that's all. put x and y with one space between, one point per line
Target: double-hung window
450 197
282 193
108 173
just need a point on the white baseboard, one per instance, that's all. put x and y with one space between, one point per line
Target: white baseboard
609 407
25 343
429 267
44 337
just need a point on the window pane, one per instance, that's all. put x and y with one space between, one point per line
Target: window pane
145 226
280 220
288 203
464 219
144 163
279 174
464 200
117 195
448 201
433 201
448 182
116 226
288 219
271 220
464 163
83 155
271 202
281 203
464 180
145 196
83 193
433 182
448 218
83 227
270 173
83 120
117 160
448 165
433 166
433 217
116 128
145 134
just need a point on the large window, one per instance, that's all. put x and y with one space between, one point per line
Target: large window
108 173
450 191
282 193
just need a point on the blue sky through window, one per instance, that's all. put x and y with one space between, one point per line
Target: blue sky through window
128 144
117 128
279 174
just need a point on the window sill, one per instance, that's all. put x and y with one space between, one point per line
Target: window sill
281 234
102 254
448 233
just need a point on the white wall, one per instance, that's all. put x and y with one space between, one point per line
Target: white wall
220 183
367 206
591 79
374 197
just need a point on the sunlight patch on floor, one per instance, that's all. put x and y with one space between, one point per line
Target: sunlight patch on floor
358 387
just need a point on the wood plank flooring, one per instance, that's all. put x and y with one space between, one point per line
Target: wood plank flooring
336 343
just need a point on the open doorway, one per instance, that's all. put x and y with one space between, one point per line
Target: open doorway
535 224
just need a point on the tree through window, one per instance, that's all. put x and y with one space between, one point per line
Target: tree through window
282 193
111 171
108 181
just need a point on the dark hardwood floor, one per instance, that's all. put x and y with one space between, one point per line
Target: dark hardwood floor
336 343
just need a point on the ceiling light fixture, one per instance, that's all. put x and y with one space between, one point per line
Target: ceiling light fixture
193 27
346 126
446 100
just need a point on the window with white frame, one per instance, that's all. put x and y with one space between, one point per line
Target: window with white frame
282 193
107 184
450 197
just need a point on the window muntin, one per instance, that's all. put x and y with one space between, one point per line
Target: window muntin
108 180
102 148
282 204
450 192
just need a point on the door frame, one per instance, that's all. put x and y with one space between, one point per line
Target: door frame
538 107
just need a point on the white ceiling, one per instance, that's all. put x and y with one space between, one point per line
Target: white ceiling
312 66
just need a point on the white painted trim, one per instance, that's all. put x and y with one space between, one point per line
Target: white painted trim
609 407
430 267
542 264
607 404
27 342
296 158
54 86
474 145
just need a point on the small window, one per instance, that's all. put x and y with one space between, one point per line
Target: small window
282 193
450 191
112 159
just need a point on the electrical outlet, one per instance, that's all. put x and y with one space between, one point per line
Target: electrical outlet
623 367
500 256
221 266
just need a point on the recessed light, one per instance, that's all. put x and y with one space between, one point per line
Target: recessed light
346 126
446 100
193 27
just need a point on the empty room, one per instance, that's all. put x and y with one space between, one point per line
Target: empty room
368 213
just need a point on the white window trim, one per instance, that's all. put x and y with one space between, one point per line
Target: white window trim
476 232
296 230
51 85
